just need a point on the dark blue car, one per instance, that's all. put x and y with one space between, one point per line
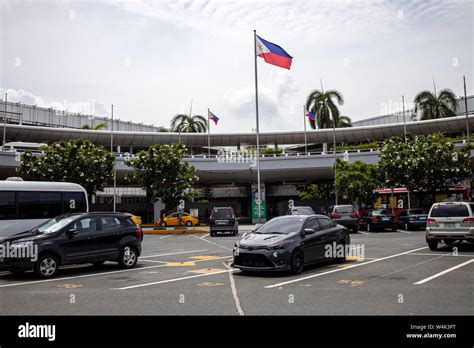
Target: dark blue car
377 220
413 219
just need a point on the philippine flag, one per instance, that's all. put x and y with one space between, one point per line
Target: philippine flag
273 54
213 117
311 116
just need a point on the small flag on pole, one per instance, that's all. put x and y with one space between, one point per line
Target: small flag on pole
273 54
213 117
311 116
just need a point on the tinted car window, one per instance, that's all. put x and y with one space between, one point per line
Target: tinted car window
39 205
282 225
344 209
7 205
85 225
222 214
381 212
110 222
448 210
324 223
403 213
53 225
418 211
313 223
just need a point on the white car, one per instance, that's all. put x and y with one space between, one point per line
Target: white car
450 222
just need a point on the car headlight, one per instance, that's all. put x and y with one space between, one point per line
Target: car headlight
275 247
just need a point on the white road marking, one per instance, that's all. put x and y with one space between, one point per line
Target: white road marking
443 272
233 288
174 280
168 235
176 253
365 233
341 269
208 241
403 231
448 254
204 236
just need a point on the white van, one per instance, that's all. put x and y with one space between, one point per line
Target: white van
26 204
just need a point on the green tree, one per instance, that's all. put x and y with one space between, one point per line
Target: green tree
79 161
185 123
425 162
162 172
344 122
98 126
323 105
318 192
434 105
356 181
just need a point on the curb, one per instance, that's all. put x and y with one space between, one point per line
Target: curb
192 231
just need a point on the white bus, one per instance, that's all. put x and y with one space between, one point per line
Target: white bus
26 204
20 146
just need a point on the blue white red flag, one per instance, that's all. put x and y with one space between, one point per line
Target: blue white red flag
273 54
213 117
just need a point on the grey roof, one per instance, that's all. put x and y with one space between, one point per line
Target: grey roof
122 138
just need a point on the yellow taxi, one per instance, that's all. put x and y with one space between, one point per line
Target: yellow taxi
173 220
136 219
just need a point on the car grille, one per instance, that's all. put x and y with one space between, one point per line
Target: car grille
252 260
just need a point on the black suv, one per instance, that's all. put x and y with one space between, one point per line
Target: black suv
74 239
223 219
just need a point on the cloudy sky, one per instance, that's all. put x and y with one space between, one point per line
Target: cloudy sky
151 58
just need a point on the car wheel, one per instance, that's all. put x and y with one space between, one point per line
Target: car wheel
297 262
189 223
98 263
128 257
433 245
163 224
47 266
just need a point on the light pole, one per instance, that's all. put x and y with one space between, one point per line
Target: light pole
5 121
405 135
112 152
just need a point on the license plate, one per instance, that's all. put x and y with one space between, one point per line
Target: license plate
345 217
222 222
385 219
422 218
450 225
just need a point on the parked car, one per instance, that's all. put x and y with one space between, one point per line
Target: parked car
136 219
412 219
173 220
76 238
377 219
450 222
223 219
303 210
345 215
289 243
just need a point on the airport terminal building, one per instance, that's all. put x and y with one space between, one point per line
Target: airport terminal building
226 177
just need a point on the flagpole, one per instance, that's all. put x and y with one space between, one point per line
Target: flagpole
257 124
405 135
112 152
208 134
305 140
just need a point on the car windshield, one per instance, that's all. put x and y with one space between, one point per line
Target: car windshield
381 212
281 226
344 209
53 225
222 214
450 210
302 211
418 212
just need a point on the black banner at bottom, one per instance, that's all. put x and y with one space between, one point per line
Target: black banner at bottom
262 330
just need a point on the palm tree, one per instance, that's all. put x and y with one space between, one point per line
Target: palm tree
185 123
436 106
98 126
323 105
343 122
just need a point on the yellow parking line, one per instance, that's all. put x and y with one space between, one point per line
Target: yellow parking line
180 264
204 257
207 270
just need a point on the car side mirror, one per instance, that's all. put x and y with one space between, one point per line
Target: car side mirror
308 231
71 232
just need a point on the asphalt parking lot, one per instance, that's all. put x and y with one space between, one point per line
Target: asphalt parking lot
190 274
